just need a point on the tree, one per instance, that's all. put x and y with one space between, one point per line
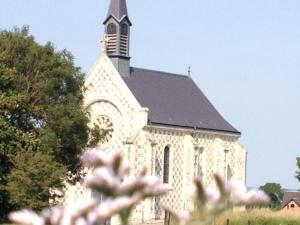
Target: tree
275 193
33 173
43 126
298 171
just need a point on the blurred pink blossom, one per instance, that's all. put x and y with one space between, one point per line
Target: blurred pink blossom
26 217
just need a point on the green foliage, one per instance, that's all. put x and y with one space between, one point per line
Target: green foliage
275 193
43 127
30 179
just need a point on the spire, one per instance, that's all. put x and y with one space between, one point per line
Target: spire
117 9
117 33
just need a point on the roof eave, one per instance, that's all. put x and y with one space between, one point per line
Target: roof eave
118 20
288 202
238 133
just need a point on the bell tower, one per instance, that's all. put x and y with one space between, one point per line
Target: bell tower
117 32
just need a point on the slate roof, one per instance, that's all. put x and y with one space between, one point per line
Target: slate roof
290 196
175 100
117 9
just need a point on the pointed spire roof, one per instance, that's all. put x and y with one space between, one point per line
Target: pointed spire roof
118 10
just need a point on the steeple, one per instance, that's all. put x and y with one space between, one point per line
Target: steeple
117 9
117 31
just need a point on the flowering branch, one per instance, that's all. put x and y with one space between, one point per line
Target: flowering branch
209 204
107 178
121 196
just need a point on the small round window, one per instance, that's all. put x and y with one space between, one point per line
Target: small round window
292 205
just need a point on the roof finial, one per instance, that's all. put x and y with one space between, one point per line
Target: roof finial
189 71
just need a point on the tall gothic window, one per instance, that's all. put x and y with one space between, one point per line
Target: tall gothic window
111 28
166 164
229 172
124 29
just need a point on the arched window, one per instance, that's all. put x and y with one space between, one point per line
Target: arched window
229 173
199 170
111 28
124 29
166 164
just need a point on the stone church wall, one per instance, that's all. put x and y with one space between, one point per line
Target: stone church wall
195 153
192 152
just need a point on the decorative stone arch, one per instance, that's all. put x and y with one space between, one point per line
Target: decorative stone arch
115 103
108 117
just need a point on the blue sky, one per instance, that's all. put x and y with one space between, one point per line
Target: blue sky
245 56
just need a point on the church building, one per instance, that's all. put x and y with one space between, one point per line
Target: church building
158 119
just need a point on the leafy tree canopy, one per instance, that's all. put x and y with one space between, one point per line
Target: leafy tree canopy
275 193
43 127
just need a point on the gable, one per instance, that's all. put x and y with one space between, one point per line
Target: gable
289 197
108 95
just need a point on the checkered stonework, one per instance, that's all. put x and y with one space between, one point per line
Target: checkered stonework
192 152
174 140
75 192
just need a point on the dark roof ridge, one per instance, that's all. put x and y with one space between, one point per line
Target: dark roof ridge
162 72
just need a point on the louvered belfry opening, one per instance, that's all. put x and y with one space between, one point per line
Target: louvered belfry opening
124 39
118 39
111 34
117 36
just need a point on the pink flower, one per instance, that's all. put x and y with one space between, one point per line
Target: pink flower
96 158
26 217
110 207
124 169
255 197
184 216
81 221
212 196
239 195
102 177
54 215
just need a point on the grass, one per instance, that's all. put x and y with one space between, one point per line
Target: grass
260 217
257 217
